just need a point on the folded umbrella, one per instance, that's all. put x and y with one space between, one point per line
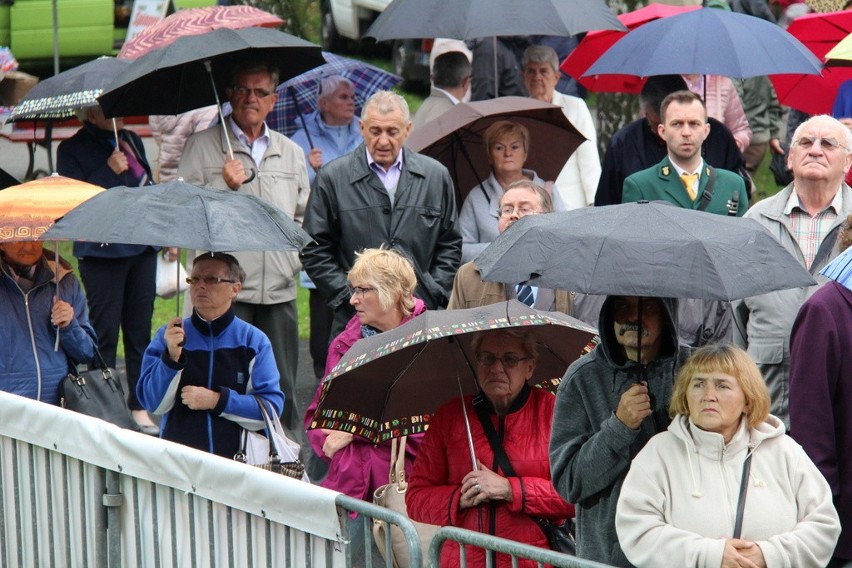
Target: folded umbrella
643 249
389 385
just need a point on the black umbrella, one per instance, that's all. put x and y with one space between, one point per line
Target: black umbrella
472 19
182 215
643 249
173 79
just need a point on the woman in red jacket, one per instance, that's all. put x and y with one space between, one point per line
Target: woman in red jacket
447 489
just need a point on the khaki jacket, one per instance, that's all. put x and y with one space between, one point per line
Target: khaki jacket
470 291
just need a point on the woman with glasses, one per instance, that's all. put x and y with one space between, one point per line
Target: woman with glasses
507 145
446 488
381 287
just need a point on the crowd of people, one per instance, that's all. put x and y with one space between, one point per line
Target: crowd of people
696 433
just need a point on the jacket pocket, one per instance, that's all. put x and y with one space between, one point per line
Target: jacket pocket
766 353
429 217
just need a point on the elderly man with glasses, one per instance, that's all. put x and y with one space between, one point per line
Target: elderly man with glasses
805 217
266 164
202 373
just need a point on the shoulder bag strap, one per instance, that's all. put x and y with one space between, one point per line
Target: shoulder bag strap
397 463
274 451
479 405
738 522
708 189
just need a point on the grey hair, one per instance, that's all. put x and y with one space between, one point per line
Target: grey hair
450 69
328 85
847 133
544 198
249 68
385 102
541 54
526 338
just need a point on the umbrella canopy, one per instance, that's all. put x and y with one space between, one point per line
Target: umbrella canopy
814 94
182 215
710 42
29 209
79 87
388 385
643 249
597 42
455 138
841 54
195 21
471 19
173 79
840 269
298 96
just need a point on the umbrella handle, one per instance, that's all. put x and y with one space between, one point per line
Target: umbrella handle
252 176
209 68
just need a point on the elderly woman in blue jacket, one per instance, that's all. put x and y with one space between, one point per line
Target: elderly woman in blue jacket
40 298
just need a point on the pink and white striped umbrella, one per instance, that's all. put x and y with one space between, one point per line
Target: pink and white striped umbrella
196 21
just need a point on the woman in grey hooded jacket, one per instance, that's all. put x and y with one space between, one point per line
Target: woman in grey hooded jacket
679 502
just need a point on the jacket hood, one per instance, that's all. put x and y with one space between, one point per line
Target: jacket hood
50 266
614 353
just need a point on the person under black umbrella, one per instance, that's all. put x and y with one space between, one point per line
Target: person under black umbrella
610 403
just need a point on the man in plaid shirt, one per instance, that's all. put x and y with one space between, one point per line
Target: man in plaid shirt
805 217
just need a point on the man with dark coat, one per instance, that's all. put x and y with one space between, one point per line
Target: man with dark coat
638 145
382 194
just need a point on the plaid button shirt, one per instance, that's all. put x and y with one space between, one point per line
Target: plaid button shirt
808 231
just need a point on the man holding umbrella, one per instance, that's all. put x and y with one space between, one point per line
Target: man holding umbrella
266 164
610 403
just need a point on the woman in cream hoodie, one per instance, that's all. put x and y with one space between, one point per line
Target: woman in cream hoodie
679 501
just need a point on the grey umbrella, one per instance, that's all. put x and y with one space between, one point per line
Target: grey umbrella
472 19
182 215
643 249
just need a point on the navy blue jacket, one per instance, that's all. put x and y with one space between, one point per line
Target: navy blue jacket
227 355
84 157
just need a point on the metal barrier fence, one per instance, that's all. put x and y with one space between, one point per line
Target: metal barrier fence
76 491
511 548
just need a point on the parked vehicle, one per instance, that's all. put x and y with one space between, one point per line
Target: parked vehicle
347 20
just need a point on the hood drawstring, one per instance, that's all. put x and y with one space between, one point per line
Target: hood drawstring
696 492
756 481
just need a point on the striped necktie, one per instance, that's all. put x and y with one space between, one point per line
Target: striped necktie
525 294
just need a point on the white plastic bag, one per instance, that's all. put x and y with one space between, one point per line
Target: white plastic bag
171 279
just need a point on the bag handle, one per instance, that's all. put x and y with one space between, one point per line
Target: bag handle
397 463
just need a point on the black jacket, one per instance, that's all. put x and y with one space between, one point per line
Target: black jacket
350 210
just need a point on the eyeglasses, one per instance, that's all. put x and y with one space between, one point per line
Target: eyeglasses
359 290
245 91
827 144
208 280
509 361
508 211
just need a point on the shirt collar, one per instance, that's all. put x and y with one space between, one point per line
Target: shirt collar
680 171
448 94
241 136
793 203
375 165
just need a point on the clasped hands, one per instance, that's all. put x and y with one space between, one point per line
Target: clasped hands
483 485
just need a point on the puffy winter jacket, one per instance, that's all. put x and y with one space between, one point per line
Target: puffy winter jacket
29 365
434 490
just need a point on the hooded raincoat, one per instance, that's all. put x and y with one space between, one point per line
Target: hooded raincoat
679 500
590 448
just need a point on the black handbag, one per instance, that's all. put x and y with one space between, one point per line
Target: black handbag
97 392
778 167
559 537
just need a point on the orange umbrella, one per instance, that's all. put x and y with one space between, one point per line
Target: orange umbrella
29 209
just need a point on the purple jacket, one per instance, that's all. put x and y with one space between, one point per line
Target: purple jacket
821 394
361 467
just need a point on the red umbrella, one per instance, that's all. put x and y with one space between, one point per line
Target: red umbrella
196 21
597 42
814 94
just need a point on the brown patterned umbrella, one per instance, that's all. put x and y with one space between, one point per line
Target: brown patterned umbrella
196 21
827 5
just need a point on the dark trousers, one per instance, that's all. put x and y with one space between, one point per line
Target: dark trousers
281 325
120 293
321 318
